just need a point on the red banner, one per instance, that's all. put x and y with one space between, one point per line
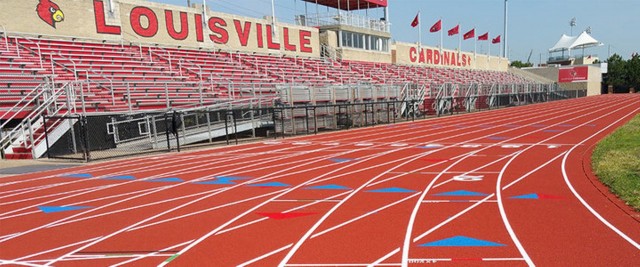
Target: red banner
573 74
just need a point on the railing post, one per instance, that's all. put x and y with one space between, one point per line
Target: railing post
84 109
31 140
166 95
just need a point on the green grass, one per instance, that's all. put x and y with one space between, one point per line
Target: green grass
616 161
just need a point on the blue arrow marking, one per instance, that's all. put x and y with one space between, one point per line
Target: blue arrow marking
461 241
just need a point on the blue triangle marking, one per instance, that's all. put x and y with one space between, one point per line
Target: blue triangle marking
392 190
79 175
566 125
341 160
461 241
223 180
496 138
166 180
270 184
459 193
538 125
52 209
512 125
231 177
527 196
552 131
120 177
328 187
216 181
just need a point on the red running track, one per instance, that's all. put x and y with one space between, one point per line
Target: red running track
508 187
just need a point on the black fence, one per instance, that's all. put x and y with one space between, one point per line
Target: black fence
95 137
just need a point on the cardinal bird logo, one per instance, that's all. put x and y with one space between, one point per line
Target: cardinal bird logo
49 12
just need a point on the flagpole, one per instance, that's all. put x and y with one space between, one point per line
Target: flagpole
459 42
475 42
441 34
419 32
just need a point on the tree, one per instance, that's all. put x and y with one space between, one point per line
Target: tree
520 64
633 71
617 73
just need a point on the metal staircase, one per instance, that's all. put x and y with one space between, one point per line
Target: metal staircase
27 139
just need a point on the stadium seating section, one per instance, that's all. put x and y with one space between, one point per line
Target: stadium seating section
120 77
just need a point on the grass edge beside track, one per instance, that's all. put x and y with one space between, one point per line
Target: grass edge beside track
616 162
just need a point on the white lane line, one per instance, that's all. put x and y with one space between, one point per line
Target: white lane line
135 207
21 263
148 219
265 256
534 170
306 236
80 203
204 210
397 250
153 254
148 193
436 260
338 264
407 243
384 258
364 215
219 228
55 249
584 203
457 201
503 213
286 211
448 220
476 169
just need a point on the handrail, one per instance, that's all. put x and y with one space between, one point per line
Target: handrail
75 68
6 37
113 100
39 50
4 141
24 106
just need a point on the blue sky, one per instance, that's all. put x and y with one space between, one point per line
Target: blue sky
533 24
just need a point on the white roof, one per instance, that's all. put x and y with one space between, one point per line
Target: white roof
570 42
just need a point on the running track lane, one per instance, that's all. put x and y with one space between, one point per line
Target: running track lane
314 200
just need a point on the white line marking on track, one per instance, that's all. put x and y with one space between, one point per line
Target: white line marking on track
265 256
158 253
286 211
503 213
3 262
56 249
364 215
584 203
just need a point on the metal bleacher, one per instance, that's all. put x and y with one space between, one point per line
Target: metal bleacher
41 76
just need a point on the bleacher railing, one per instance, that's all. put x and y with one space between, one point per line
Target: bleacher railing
47 99
343 18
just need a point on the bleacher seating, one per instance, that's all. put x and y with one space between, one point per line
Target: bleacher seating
124 77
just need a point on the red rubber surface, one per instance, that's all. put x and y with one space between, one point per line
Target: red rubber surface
538 153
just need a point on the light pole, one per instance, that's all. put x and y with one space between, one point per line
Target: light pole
188 3
506 13
573 23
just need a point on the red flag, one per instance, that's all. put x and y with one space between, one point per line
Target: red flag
469 34
455 30
436 27
416 21
496 40
484 37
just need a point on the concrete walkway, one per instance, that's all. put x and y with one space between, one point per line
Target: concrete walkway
14 167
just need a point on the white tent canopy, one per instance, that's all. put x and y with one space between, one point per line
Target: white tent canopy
584 40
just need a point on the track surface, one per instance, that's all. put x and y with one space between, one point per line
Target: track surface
508 187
